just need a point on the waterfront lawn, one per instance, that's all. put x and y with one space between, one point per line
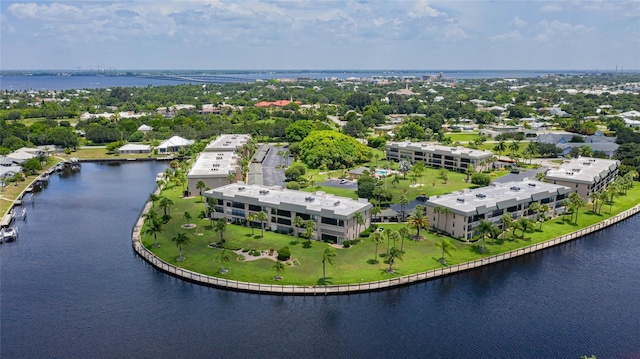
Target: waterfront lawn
92 153
353 265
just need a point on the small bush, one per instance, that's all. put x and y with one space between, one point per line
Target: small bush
293 185
346 244
284 254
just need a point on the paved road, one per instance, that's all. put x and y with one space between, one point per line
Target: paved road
271 175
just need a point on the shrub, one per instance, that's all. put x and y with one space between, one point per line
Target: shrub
346 244
284 253
293 185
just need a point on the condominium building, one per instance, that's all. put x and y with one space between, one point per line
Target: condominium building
214 169
451 158
460 213
227 142
334 216
584 175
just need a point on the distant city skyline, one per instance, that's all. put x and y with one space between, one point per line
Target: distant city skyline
320 35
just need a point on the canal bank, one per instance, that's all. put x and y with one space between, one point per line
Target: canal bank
301 290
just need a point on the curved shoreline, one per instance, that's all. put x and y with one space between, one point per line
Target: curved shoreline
250 287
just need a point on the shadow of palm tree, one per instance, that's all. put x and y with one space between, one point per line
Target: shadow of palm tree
324 281
477 249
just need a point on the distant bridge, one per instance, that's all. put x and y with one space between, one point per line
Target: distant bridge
214 79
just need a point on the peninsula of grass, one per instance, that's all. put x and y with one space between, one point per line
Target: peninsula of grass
352 265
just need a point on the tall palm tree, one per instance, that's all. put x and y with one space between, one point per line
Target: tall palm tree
506 221
220 226
375 211
576 202
500 148
567 206
484 228
594 197
404 201
153 228
298 223
377 238
534 207
418 220
359 219
187 217
310 227
328 256
392 235
224 257
252 218
445 212
404 233
181 239
447 247
540 176
437 210
261 216
544 209
231 177
200 186
154 198
532 149
524 224
393 254
165 204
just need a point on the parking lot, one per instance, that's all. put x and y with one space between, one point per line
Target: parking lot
335 182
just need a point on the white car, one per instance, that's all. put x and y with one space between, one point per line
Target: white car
343 181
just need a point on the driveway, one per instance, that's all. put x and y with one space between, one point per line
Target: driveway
528 173
271 175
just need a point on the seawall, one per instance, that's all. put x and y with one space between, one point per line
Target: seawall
358 287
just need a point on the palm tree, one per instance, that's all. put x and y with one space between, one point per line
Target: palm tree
484 228
543 213
165 204
404 201
153 228
500 148
279 267
187 217
391 235
298 223
540 176
220 226
418 220
567 206
200 186
261 216
532 149
524 224
359 219
514 147
437 210
310 227
377 238
445 211
328 256
375 211
252 218
224 257
446 246
393 254
576 202
534 208
154 198
231 177
404 233
506 221
469 171
181 239
594 197
395 180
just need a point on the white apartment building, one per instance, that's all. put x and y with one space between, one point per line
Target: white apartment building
333 215
584 175
213 169
467 208
451 158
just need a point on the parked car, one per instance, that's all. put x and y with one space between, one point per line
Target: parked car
343 181
515 170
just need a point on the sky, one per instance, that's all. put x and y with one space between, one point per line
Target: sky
320 34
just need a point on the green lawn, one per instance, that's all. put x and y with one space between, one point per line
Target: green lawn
462 136
352 264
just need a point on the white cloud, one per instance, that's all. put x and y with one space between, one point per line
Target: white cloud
518 22
559 30
509 36
551 8
454 32
423 9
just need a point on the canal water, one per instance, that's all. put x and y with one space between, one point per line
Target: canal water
72 287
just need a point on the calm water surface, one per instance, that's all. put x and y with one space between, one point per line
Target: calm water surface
72 287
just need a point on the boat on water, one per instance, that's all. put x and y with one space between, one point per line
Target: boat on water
9 234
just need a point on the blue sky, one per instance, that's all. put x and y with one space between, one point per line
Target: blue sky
320 34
